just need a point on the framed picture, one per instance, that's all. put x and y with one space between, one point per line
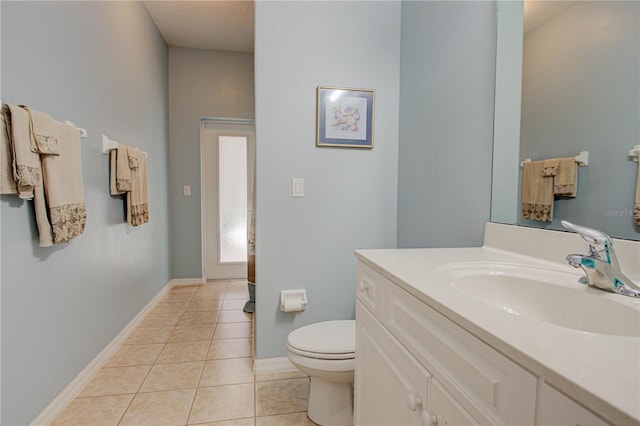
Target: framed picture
345 117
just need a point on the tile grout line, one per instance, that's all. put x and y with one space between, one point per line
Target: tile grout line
154 363
206 357
181 314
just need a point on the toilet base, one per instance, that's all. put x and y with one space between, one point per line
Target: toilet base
330 403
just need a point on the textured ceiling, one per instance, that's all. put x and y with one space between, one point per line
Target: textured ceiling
205 24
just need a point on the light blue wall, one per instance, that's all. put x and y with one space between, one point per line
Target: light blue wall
202 83
446 122
581 92
350 194
102 65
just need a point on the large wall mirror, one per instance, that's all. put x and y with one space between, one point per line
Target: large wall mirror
580 73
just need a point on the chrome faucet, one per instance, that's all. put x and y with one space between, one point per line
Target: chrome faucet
601 264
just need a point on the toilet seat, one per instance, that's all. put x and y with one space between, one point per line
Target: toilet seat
324 340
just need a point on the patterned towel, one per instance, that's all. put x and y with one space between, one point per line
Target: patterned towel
537 193
120 174
42 139
8 183
636 207
25 163
63 188
565 183
138 197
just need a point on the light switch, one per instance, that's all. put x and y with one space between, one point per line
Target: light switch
186 191
297 187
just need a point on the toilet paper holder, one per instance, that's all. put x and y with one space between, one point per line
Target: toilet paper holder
293 300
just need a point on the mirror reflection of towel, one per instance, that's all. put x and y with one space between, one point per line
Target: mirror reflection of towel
636 207
565 183
551 167
537 193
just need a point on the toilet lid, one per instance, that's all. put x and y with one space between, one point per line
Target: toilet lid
335 339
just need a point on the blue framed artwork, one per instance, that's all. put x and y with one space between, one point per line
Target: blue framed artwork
345 117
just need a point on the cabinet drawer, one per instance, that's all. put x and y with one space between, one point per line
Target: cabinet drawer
369 289
493 388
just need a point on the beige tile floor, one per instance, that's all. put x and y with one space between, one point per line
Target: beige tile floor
190 363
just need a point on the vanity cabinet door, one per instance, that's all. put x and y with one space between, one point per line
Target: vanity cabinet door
446 409
390 386
554 408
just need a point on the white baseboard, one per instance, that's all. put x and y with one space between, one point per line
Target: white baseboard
175 282
273 365
69 393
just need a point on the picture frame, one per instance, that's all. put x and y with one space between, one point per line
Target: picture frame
345 117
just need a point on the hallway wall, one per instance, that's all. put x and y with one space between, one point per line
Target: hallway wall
202 84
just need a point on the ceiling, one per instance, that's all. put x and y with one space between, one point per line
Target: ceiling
205 24
229 25
537 12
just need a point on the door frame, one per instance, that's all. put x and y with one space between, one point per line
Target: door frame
203 227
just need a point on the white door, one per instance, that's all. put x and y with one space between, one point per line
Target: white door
228 152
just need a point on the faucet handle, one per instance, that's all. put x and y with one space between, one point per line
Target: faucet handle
590 235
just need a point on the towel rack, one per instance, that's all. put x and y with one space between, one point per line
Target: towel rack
109 144
582 159
83 132
634 153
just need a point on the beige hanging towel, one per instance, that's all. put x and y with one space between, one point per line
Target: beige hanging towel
123 172
138 197
25 163
119 172
565 183
551 167
8 183
63 186
537 193
636 207
41 127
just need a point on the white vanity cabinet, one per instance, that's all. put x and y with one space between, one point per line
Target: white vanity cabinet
554 408
416 367
494 335
391 386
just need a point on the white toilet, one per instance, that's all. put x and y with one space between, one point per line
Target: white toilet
326 352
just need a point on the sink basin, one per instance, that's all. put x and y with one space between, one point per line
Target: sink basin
548 295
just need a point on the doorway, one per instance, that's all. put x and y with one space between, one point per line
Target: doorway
228 175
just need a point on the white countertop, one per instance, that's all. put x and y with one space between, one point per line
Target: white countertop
601 371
